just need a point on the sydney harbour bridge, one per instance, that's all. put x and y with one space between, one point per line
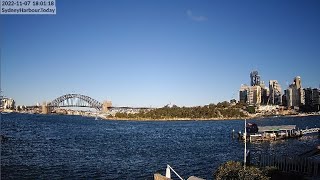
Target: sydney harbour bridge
79 100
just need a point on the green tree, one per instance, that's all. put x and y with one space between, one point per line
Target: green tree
222 110
251 109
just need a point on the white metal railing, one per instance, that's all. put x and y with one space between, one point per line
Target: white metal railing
311 130
168 172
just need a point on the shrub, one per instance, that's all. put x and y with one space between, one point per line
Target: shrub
234 170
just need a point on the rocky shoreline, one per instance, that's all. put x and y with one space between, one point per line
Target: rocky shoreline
251 116
207 119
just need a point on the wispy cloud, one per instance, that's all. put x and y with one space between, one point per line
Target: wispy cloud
196 17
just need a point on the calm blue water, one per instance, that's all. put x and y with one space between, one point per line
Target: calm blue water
75 147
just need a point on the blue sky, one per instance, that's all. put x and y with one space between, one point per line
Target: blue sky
150 53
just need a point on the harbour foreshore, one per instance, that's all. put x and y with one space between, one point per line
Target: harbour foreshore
251 116
208 119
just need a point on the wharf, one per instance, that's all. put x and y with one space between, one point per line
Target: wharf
272 133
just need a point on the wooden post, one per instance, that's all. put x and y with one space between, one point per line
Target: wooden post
304 165
232 133
309 166
245 145
293 165
286 164
298 165
316 168
269 161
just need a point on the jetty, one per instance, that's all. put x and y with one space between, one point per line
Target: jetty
272 133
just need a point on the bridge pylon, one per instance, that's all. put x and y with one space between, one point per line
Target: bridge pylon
106 105
45 108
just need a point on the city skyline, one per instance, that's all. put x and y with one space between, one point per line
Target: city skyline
152 53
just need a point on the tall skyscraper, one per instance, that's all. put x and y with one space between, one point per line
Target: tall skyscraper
289 97
243 93
295 96
264 94
308 99
255 78
275 92
297 82
316 99
312 99
255 92
250 94
284 98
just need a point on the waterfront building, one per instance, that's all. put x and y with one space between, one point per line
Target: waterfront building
289 97
250 96
254 95
7 103
308 99
300 91
284 98
312 99
243 93
316 99
301 96
264 95
275 97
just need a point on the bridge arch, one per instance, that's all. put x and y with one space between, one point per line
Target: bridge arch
75 100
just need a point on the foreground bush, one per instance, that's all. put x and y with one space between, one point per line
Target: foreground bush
234 170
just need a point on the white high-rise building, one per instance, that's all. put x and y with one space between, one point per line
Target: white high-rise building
256 93
295 93
8 103
243 93
275 92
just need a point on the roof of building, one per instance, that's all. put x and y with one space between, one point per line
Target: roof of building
276 128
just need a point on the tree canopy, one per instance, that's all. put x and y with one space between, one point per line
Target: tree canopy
221 110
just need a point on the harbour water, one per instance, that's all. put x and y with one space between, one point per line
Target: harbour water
75 147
